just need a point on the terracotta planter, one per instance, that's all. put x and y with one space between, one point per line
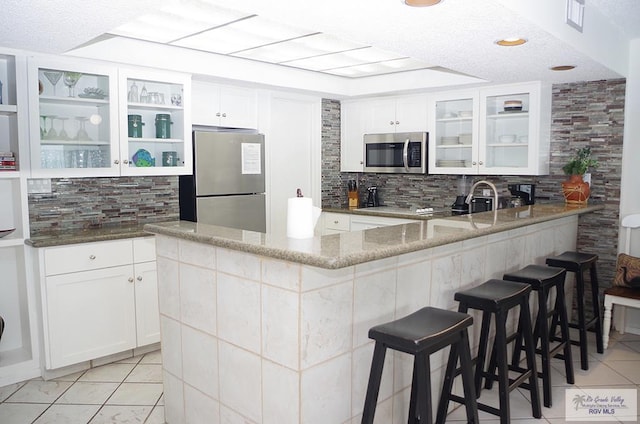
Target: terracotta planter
575 190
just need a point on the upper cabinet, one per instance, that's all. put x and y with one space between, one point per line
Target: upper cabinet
501 130
86 119
155 123
379 115
396 114
224 106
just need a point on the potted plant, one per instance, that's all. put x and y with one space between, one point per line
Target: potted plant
575 190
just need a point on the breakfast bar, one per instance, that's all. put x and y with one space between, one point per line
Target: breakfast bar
262 328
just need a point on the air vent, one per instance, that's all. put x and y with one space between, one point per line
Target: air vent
575 13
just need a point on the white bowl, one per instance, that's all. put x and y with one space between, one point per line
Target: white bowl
507 138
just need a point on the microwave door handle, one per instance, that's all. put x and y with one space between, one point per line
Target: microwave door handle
405 155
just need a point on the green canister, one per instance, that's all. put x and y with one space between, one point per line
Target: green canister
135 126
163 125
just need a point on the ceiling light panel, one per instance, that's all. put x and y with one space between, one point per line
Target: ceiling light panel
380 68
343 59
299 48
241 35
173 22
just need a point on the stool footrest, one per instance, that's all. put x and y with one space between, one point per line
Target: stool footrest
513 382
481 406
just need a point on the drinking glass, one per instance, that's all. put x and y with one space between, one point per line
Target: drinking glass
53 77
63 132
51 133
70 79
82 134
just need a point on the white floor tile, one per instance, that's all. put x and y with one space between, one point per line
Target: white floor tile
38 391
21 413
156 416
7 391
108 373
68 414
136 394
69 377
146 373
132 360
152 358
88 393
109 414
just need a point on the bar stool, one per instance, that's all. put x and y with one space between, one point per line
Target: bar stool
420 334
496 298
542 280
579 263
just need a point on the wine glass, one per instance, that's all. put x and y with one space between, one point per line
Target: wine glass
53 77
82 132
70 79
63 132
51 133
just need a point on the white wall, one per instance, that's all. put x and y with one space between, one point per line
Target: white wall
630 189
292 126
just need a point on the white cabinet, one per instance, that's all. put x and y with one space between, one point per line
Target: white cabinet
396 114
361 222
476 132
155 125
19 346
378 115
98 299
90 118
224 106
335 223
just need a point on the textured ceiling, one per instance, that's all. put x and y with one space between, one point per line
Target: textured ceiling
456 34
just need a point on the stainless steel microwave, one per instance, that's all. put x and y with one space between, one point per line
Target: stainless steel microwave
400 153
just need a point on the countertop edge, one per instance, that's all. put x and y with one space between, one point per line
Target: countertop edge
85 236
335 262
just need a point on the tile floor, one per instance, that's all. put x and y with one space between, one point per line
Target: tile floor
130 391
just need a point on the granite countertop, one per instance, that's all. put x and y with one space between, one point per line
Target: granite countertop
351 248
86 235
392 212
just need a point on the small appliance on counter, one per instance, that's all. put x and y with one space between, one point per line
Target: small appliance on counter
372 198
460 206
525 192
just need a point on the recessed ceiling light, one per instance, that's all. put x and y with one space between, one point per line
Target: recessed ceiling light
421 3
514 41
562 68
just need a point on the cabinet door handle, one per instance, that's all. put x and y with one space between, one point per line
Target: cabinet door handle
92 257
335 222
480 163
125 161
139 278
116 162
224 115
390 122
397 122
473 163
130 279
218 114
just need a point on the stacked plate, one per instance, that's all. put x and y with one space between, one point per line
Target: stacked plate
465 113
449 140
450 163
513 105
465 138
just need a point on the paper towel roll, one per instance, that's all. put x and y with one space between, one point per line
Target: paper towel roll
300 220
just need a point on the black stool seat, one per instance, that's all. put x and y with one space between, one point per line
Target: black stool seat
493 295
421 334
542 280
422 330
573 261
579 263
495 298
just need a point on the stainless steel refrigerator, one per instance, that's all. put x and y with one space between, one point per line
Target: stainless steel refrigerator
227 186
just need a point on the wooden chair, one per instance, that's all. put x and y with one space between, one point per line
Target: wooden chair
617 295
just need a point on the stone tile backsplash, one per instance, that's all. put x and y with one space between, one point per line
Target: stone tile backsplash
95 202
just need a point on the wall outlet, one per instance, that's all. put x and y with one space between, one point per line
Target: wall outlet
486 192
39 186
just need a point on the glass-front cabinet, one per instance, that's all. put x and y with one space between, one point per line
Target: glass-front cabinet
73 128
455 137
501 130
94 119
155 124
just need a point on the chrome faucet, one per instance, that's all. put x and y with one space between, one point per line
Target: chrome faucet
491 185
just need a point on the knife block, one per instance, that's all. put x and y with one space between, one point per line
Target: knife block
353 200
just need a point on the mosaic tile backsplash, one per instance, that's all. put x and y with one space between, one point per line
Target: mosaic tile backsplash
96 202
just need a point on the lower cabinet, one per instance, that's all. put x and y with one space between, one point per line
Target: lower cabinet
335 223
98 299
